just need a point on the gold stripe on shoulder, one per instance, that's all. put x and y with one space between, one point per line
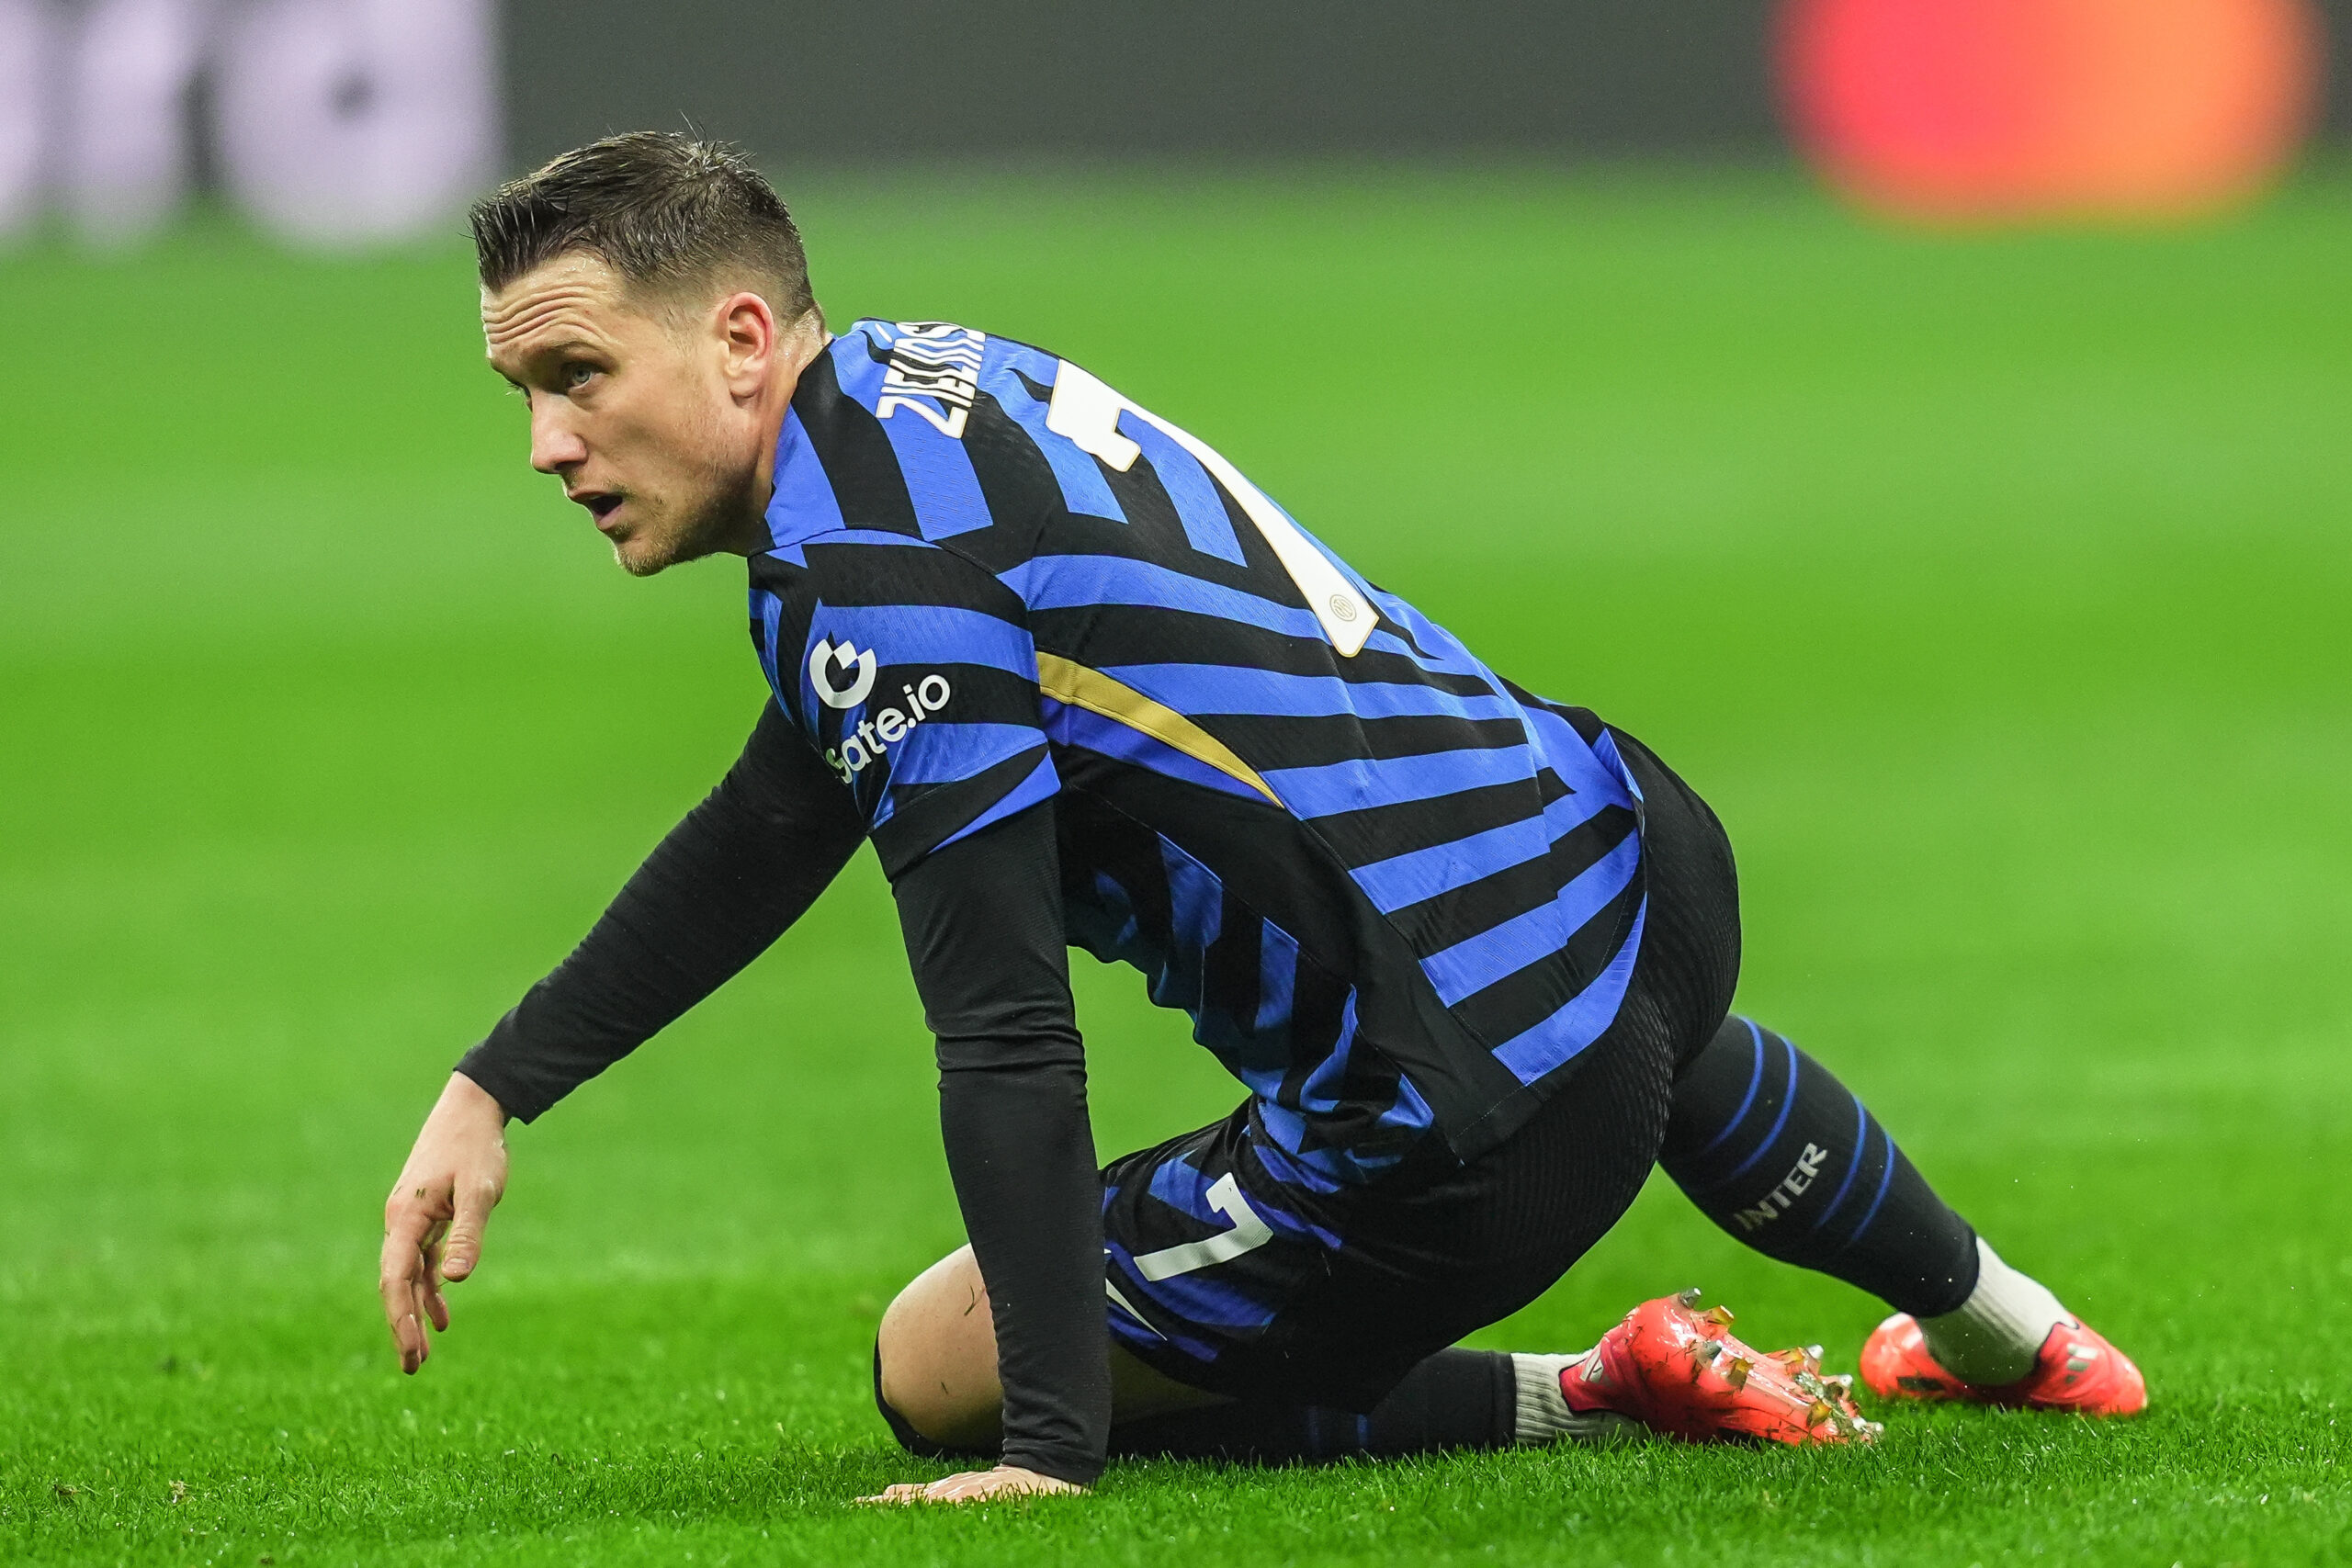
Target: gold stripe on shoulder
1074 683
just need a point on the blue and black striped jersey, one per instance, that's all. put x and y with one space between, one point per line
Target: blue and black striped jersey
1396 894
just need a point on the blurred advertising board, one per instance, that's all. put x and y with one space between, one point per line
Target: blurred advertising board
334 123
343 123
1990 111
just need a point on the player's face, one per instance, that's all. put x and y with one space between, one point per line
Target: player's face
631 407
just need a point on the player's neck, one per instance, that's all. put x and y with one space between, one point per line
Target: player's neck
748 535
802 345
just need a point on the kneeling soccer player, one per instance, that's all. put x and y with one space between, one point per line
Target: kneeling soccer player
1082 683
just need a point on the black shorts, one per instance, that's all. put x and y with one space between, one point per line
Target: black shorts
1226 1279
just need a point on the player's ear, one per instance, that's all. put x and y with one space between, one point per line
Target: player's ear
748 333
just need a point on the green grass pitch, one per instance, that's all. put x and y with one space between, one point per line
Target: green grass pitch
1994 588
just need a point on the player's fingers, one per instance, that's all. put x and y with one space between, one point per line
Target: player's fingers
904 1492
954 1489
406 1311
408 1334
403 1237
1010 1480
988 1485
428 1280
420 1312
462 1252
400 1269
397 1287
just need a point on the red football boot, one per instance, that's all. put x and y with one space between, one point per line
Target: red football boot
1679 1371
2077 1370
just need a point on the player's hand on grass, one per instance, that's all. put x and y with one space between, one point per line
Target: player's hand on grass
434 1219
978 1487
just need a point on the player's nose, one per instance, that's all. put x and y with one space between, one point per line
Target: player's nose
555 445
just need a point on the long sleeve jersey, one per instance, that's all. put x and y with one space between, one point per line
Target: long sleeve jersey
1081 682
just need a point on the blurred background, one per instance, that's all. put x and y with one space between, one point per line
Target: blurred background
350 121
1924 421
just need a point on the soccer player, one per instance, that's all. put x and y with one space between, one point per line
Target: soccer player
1470 952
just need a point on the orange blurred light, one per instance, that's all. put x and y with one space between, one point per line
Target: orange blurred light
2000 110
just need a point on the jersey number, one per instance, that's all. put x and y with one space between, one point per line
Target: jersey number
1086 412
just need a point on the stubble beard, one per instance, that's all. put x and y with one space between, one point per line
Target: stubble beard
650 550
713 522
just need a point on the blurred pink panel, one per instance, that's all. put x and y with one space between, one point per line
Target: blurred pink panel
1976 110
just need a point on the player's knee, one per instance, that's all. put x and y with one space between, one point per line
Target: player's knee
935 1362
898 1380
910 1436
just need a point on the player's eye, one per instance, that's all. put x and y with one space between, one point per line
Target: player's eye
577 374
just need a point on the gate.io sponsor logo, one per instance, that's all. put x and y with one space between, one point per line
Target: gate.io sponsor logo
843 676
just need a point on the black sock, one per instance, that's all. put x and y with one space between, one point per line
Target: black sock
1781 1155
1456 1399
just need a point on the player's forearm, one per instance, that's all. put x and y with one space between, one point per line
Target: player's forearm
724 884
621 985
1023 1160
983 923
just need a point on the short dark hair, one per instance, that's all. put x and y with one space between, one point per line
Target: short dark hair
663 210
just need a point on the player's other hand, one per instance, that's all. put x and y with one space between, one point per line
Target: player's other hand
978 1487
434 1219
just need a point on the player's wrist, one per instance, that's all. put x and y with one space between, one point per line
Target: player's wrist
470 1096
1065 1466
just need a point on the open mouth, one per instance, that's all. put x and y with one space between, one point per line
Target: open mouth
601 504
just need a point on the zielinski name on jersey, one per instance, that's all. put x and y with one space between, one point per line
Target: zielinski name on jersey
933 362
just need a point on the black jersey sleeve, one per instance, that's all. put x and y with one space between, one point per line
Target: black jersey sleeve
724 884
983 922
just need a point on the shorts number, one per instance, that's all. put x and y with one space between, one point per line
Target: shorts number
1248 1233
